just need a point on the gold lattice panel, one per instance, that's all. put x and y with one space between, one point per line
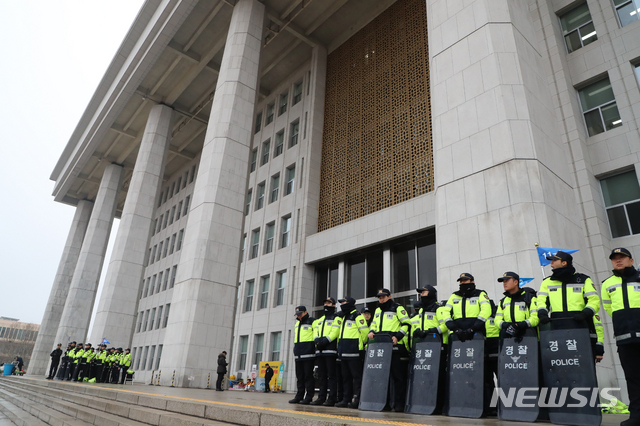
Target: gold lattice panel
377 149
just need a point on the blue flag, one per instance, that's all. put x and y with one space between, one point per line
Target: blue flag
105 341
524 281
543 252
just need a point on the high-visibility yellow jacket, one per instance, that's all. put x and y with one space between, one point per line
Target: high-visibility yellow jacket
574 295
521 306
394 322
78 355
125 360
425 320
621 300
323 327
352 333
461 309
303 339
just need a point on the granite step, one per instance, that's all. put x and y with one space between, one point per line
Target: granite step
29 413
18 415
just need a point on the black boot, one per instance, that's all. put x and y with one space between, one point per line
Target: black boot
329 402
355 403
343 404
318 402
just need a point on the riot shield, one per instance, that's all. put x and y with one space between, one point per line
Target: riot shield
517 391
62 370
466 377
571 388
424 369
375 377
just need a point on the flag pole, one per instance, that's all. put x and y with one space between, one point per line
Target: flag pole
541 267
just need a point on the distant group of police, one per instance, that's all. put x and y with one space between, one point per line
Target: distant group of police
83 363
346 344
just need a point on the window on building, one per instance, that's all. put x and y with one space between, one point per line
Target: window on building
155 226
627 11
622 200
266 146
279 143
290 176
179 211
173 243
577 27
140 318
254 160
637 69
186 205
247 202
173 215
293 134
258 347
149 258
270 230
242 350
160 223
160 199
159 320
276 340
248 297
185 180
166 193
152 317
178 184
255 243
270 110
260 196
144 358
193 174
179 243
146 287
159 250
173 188
166 248
599 107
275 188
414 264
166 315
281 283
159 356
153 254
166 220
285 231
166 279
258 125
146 320
297 93
326 282
264 291
152 287
282 105
151 355
160 274
243 248
174 271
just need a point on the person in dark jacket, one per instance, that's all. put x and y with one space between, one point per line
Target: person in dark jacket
268 375
55 361
20 363
222 370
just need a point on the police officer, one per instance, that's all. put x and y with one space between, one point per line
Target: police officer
430 320
467 309
391 319
326 339
352 329
108 362
85 362
567 293
77 358
304 352
115 365
125 363
55 361
621 300
518 309
100 360
491 352
366 313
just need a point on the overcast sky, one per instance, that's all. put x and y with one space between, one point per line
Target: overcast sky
54 54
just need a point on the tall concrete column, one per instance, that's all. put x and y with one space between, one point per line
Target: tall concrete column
45 342
203 302
119 298
76 315
497 144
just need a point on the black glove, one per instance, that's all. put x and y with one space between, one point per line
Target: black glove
322 343
462 335
544 317
511 330
585 315
478 325
505 325
419 334
453 327
469 334
399 335
431 331
317 339
599 350
522 325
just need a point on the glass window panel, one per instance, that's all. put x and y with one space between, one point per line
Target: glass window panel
407 302
322 275
620 188
575 18
618 222
633 212
427 262
573 41
588 34
611 116
593 121
599 93
404 267
375 274
628 14
638 72
333 281
356 270
619 2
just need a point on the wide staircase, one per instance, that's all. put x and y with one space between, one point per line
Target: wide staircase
29 401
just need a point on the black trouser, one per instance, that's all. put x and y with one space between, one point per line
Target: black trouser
76 371
340 386
115 374
399 378
62 371
267 387
219 381
83 370
327 377
53 369
352 377
71 370
106 373
304 379
491 350
629 360
97 372
123 376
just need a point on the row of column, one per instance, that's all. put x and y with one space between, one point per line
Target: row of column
204 296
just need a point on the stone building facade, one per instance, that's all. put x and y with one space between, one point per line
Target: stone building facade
265 154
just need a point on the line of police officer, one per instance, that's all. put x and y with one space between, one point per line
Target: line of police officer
336 341
83 363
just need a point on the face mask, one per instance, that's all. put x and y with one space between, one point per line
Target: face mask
467 287
427 300
347 307
329 309
384 305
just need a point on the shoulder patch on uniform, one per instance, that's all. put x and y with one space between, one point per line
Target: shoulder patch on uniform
403 312
598 317
361 321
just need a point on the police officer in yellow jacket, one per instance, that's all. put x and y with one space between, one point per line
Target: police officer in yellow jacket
352 337
76 361
125 363
391 319
467 309
621 300
326 339
597 339
566 293
304 352
518 309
